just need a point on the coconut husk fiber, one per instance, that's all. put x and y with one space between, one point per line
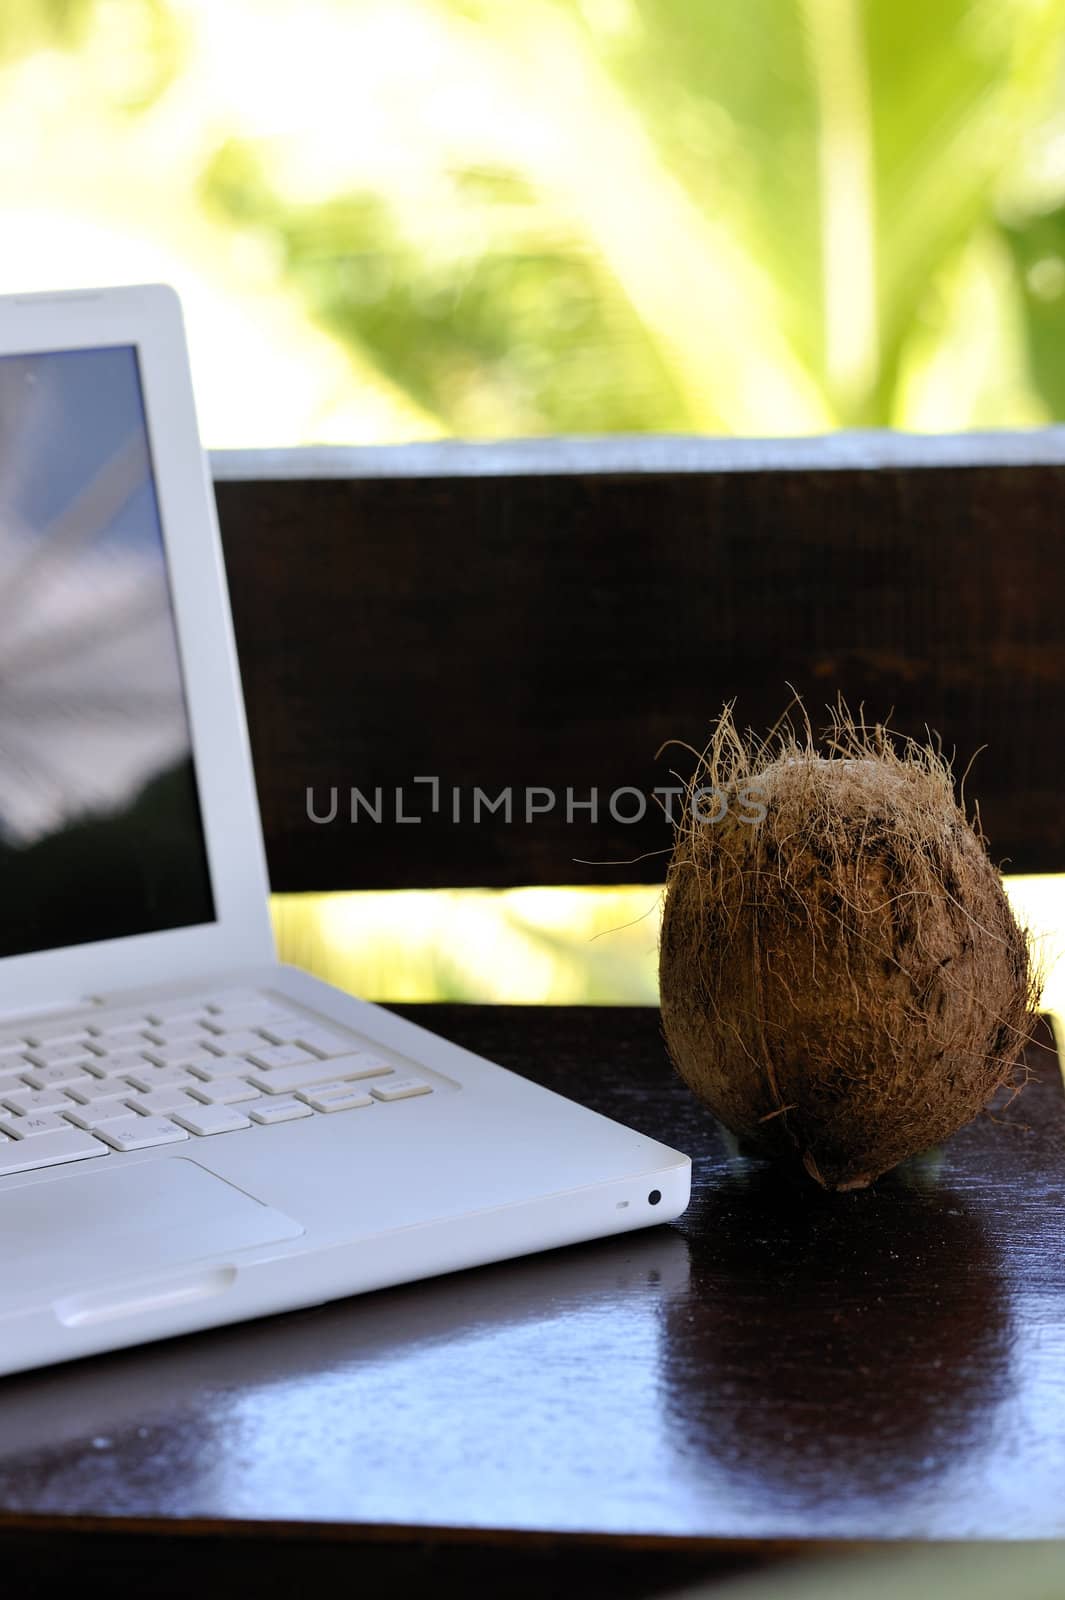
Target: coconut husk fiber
843 982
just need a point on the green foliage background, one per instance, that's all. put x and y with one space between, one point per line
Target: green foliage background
751 216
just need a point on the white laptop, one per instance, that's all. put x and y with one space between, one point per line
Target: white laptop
191 1133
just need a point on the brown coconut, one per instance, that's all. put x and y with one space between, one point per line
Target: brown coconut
842 980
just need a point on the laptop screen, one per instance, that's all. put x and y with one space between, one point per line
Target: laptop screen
101 834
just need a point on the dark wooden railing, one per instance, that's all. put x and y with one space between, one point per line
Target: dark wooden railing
538 618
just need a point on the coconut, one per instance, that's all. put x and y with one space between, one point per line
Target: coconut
843 982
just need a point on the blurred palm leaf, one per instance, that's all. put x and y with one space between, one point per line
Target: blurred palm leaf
709 217
957 87
1037 248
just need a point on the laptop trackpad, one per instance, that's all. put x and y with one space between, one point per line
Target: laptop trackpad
90 1228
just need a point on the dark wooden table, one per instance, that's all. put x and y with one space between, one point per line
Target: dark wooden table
780 1369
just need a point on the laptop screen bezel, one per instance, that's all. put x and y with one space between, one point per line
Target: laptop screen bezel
148 318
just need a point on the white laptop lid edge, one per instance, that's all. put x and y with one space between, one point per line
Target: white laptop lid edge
148 317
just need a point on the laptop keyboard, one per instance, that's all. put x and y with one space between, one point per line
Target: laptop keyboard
183 1069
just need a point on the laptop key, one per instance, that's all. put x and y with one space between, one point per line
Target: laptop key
101 1092
44 1055
90 1117
35 1100
288 1080
224 1092
187 1031
285 1109
236 1041
160 1102
259 1020
320 1040
148 1079
35 1124
39 1033
68 1075
336 1097
176 1055
271 1056
139 1133
206 1120
49 1150
117 1064
401 1089
127 1036
106 1016
213 1067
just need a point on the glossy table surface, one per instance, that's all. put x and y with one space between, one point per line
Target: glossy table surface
782 1365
